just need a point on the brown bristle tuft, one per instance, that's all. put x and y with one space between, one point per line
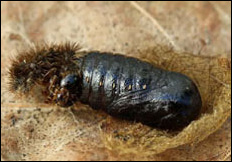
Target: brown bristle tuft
31 66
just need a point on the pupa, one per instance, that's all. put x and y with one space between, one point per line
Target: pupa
123 87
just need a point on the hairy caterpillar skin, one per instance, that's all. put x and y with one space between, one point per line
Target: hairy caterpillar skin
124 87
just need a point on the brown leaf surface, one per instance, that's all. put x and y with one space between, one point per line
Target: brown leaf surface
39 132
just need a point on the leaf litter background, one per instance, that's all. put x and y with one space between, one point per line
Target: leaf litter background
39 132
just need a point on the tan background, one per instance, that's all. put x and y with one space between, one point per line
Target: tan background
201 28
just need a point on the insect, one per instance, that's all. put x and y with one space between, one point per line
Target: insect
124 87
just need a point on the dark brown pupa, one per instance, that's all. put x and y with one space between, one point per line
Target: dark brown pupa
124 87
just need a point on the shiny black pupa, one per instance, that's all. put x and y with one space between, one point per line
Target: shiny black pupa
124 87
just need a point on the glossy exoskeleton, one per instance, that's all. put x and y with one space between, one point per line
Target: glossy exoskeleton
124 87
131 89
